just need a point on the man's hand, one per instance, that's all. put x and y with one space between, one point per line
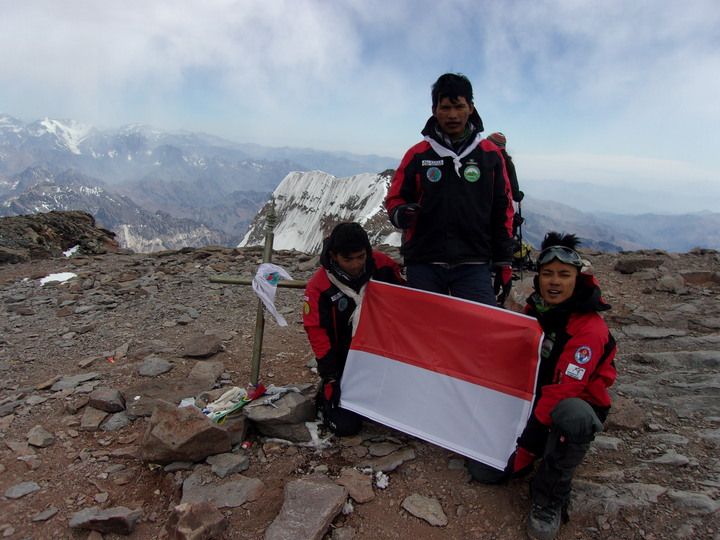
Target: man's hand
503 282
405 216
331 393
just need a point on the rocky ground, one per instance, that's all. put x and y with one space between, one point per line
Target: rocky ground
83 363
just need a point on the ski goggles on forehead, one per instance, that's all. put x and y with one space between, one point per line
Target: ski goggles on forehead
562 254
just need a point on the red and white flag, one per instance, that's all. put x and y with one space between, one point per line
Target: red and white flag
450 371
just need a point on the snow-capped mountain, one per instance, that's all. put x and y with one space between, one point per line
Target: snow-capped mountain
38 190
138 151
188 175
308 205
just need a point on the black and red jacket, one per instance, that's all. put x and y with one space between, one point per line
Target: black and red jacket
327 311
465 201
578 351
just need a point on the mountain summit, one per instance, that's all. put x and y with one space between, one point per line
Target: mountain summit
308 206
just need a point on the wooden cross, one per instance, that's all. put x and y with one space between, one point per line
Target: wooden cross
270 220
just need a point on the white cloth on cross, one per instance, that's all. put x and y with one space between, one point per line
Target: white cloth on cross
265 285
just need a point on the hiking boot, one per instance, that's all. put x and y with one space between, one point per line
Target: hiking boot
543 522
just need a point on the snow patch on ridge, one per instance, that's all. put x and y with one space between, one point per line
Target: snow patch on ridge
69 134
307 202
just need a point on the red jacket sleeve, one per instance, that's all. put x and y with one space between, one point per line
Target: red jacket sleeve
575 371
317 335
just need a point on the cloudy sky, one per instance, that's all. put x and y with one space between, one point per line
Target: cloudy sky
610 92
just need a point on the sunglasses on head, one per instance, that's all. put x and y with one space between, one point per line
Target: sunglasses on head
562 254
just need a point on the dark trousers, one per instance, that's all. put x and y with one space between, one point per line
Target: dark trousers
469 281
574 426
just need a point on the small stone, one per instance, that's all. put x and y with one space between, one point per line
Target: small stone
425 508
118 520
694 503
359 485
226 464
603 442
390 462
35 400
40 437
198 521
92 418
107 399
21 490
382 449
154 366
116 422
178 466
45 514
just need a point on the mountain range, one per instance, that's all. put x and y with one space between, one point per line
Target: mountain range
308 205
158 190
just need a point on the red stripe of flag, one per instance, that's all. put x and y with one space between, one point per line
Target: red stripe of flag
480 344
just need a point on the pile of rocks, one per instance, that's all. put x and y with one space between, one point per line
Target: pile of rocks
93 436
24 238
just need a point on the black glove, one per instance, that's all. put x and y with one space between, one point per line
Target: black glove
328 367
503 282
534 436
519 196
331 393
405 215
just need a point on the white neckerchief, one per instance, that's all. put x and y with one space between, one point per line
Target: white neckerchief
444 151
356 296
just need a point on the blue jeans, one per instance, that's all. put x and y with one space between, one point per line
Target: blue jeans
469 281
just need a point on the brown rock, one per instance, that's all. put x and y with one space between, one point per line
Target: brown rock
107 399
625 415
202 346
196 521
182 434
310 506
359 485
118 520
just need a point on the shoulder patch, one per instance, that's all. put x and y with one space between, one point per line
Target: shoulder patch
583 354
306 308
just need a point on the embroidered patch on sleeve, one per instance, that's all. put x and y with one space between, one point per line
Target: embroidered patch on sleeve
306 308
576 372
583 354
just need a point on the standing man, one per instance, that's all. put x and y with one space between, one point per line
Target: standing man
332 299
451 196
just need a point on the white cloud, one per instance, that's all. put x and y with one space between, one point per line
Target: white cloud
602 78
615 170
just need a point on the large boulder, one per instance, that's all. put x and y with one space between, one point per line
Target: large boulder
182 434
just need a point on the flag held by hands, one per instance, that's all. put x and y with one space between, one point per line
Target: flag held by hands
450 371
